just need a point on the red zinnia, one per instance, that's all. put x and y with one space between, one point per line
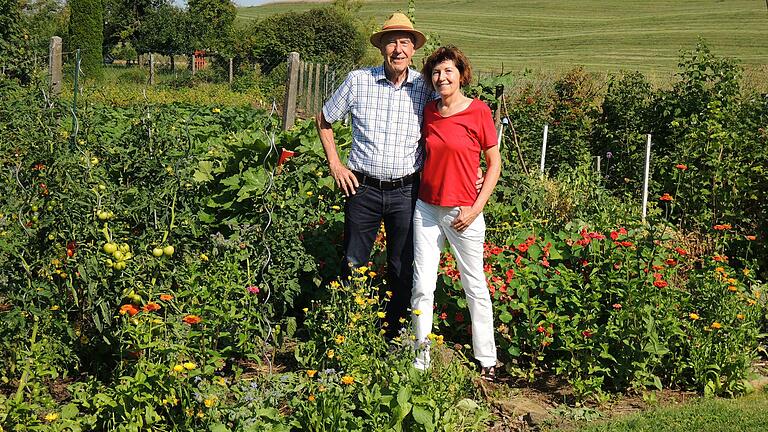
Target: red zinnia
660 283
681 167
666 197
128 309
681 251
191 319
151 306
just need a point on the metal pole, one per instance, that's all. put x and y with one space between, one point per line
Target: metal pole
647 176
543 150
598 165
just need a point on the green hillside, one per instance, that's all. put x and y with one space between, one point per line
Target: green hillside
604 35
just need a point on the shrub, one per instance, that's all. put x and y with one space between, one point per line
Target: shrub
86 34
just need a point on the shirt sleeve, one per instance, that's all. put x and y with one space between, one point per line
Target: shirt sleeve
488 136
340 103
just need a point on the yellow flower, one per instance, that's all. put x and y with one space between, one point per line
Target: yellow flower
432 336
203 257
200 414
402 320
381 314
309 193
732 288
189 412
305 310
337 208
339 339
321 388
311 373
178 368
51 417
716 325
311 398
335 284
693 316
209 403
740 316
362 269
329 354
55 308
372 274
215 110
751 302
360 301
439 339
221 381
732 281
189 365
757 294
388 293
745 271
417 312
347 380
719 269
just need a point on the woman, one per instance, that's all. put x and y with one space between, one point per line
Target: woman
456 130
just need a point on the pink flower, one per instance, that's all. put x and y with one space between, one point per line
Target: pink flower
253 289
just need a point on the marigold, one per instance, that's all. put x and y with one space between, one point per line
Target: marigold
166 297
330 353
189 365
151 306
178 368
311 398
347 380
740 316
716 325
311 373
693 316
128 309
666 197
339 339
191 319
732 288
660 283
209 403
51 417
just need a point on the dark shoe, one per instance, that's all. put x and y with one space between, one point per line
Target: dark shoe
488 374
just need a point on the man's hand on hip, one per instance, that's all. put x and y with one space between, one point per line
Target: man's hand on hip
345 179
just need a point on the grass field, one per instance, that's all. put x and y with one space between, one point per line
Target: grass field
746 414
601 35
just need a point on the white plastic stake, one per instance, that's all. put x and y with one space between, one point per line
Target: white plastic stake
647 176
543 150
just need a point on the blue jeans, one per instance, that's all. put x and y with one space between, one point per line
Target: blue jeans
363 213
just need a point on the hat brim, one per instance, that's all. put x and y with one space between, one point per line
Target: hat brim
418 37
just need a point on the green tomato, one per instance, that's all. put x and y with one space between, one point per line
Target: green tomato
110 248
118 256
168 250
34 208
109 263
124 248
102 215
51 237
157 252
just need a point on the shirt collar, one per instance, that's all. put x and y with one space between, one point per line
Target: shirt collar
379 75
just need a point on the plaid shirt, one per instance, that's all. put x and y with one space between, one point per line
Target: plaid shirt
386 121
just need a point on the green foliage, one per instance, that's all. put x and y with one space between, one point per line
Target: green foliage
86 33
14 42
212 21
165 29
328 35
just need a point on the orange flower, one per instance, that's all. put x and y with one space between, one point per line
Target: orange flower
681 251
191 319
166 297
681 167
732 288
720 258
666 197
751 237
347 380
659 283
722 227
128 309
151 306
311 398
716 325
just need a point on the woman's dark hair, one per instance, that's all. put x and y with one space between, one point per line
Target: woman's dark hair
442 54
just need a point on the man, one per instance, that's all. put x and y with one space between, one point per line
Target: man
382 176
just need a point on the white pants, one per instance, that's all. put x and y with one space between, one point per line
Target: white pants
431 227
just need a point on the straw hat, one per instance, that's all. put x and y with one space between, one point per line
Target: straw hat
399 22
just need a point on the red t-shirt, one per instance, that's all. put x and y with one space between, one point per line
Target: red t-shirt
453 145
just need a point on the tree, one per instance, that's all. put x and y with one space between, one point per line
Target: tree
86 31
123 19
165 30
212 22
14 46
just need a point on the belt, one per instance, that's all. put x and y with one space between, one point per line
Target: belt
385 184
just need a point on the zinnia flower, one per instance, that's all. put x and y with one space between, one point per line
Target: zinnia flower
191 319
659 283
666 197
151 306
128 309
253 289
166 297
681 167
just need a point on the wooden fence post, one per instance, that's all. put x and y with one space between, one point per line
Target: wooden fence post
289 105
310 77
302 68
151 69
326 84
231 72
54 65
316 104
